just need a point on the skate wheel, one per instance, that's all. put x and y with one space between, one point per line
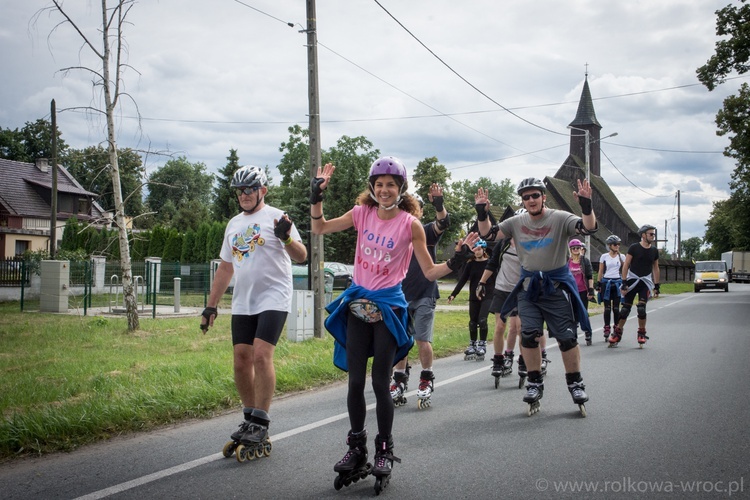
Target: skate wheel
267 448
229 449
582 409
241 453
533 408
337 484
521 381
497 382
379 486
259 451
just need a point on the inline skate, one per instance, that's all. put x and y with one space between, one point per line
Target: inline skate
354 466
249 442
383 462
398 388
616 336
545 362
534 393
607 331
426 387
521 371
642 337
588 336
481 350
470 354
576 389
502 365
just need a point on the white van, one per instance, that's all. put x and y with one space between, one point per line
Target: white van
711 274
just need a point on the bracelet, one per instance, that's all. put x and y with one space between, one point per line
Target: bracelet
288 241
316 218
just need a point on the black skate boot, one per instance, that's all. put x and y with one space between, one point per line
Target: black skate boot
588 335
383 462
576 388
354 465
255 443
642 337
426 387
398 388
481 350
521 371
470 354
545 362
236 437
607 331
616 336
534 392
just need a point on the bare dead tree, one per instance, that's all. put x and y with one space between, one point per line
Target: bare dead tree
110 55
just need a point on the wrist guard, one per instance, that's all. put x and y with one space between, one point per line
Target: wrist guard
585 205
656 287
591 291
316 194
459 258
281 229
437 202
443 224
207 313
481 290
481 209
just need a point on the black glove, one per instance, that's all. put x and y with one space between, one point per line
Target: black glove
481 290
207 313
591 291
585 205
459 258
443 224
481 209
437 202
281 229
656 288
316 194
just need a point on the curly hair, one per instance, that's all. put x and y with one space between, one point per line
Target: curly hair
408 202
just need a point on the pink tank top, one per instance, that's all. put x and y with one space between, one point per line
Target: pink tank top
383 248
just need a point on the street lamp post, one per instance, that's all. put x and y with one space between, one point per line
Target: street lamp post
587 154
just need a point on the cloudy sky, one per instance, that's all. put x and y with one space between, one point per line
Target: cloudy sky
487 87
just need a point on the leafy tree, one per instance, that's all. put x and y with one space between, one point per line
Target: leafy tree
500 195
173 246
90 167
225 204
188 247
33 141
732 54
691 248
157 241
175 185
215 239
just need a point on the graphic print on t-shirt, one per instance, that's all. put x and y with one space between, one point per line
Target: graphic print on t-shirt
243 243
540 239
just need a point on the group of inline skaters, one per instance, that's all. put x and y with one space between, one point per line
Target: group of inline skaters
391 302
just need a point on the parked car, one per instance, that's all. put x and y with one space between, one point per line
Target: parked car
342 274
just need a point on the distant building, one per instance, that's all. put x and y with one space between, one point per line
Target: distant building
26 206
611 215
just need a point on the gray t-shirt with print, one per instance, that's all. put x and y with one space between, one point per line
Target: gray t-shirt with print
542 245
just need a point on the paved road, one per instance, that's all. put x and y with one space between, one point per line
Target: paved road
672 416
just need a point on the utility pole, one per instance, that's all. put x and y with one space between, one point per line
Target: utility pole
679 229
316 241
53 217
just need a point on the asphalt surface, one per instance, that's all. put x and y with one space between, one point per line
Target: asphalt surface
666 421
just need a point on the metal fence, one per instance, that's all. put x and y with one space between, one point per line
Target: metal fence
14 272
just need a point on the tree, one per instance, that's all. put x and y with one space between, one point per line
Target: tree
691 248
108 78
90 167
500 195
176 185
732 54
226 205
33 141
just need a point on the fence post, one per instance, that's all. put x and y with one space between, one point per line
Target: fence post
177 282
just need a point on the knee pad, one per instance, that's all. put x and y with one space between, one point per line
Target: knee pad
567 344
473 326
529 339
641 308
607 308
483 324
625 310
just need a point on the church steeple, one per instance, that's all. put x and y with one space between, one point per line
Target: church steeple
586 120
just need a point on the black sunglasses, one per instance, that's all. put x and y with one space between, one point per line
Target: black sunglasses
247 190
527 197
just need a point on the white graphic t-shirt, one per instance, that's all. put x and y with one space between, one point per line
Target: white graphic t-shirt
262 268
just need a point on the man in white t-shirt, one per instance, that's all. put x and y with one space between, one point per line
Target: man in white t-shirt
258 248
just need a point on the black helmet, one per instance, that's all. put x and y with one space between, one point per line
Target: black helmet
645 228
613 239
249 176
530 183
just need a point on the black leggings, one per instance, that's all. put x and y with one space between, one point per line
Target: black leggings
612 306
362 339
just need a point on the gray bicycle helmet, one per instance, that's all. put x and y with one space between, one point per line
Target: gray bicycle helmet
645 228
613 239
419 199
530 183
249 176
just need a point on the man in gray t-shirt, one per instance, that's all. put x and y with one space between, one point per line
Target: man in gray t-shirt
546 292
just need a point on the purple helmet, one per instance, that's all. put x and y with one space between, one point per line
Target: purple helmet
388 165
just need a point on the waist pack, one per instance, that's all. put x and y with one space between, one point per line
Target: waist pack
365 310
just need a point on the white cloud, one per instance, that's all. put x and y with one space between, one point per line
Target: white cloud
219 75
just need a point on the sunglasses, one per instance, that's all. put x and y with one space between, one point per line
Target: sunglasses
575 248
527 197
615 244
650 234
247 190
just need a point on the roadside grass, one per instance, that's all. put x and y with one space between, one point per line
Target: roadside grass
66 381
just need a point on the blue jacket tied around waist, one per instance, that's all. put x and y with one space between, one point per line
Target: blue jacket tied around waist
543 282
396 320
